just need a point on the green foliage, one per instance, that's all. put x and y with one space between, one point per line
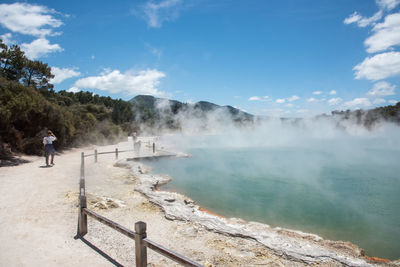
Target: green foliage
27 114
122 112
29 106
12 62
369 118
37 75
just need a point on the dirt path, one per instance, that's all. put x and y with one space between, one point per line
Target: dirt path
37 223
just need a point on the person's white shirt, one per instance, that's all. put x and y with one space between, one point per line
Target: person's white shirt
48 140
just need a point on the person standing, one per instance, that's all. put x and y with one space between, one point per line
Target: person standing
136 148
49 148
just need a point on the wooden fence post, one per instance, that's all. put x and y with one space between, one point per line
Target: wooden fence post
82 178
82 220
116 153
82 165
140 248
82 187
95 155
154 148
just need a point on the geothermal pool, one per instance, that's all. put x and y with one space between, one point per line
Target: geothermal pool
339 188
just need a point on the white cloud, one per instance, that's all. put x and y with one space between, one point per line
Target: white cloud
157 13
393 102
386 34
293 98
382 89
362 21
129 83
333 92
28 19
39 47
379 101
62 74
317 92
358 103
280 101
353 18
312 99
384 5
289 105
7 39
379 67
387 4
34 20
257 98
74 90
334 101
254 98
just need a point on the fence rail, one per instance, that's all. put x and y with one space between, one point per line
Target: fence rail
123 230
169 254
139 235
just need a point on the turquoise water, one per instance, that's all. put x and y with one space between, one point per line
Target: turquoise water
337 191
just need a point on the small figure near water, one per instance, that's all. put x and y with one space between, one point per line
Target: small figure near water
49 148
136 147
134 136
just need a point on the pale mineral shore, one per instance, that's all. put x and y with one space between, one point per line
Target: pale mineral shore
38 219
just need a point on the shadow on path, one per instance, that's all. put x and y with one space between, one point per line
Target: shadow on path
12 161
44 166
102 253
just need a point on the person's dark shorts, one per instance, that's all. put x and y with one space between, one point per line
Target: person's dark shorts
49 149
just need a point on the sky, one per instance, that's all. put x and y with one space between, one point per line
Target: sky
292 58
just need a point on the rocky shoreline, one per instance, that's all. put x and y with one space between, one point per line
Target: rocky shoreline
292 245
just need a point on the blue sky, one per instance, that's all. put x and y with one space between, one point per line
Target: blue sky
287 58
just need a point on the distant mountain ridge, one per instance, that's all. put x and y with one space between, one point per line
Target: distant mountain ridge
155 109
143 102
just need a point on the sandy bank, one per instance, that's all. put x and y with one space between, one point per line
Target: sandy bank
38 219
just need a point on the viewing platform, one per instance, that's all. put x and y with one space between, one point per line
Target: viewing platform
159 154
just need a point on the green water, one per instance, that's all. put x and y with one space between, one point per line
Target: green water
340 194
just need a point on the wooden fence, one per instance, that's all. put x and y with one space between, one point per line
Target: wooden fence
139 235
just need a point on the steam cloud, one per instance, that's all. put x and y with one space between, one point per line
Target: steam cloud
289 163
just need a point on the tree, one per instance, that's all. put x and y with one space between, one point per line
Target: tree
16 67
122 112
37 74
12 61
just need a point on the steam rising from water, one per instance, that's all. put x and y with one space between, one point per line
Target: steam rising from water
326 176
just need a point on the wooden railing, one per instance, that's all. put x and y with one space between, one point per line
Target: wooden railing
139 235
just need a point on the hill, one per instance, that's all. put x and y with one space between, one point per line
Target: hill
369 118
160 113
